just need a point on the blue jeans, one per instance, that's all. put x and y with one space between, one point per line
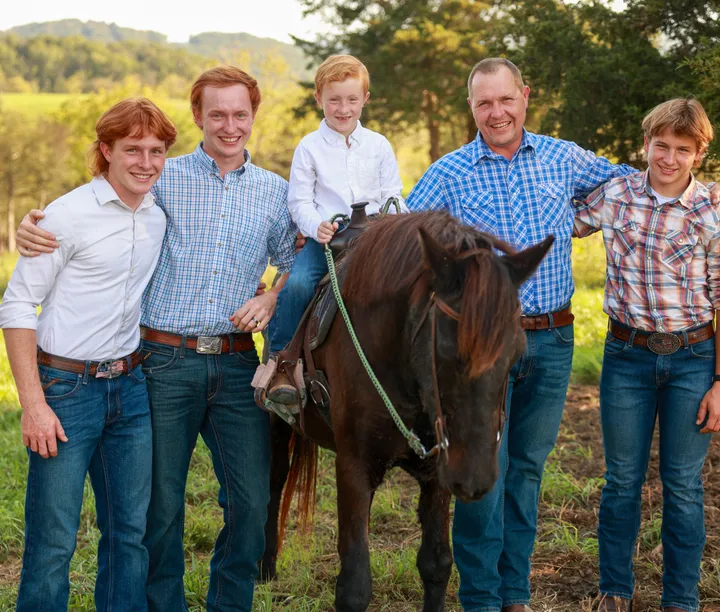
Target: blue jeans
107 423
209 395
493 538
309 268
637 388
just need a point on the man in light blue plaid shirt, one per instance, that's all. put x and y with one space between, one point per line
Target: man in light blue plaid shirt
517 186
225 219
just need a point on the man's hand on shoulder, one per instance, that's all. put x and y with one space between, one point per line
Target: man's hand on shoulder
715 193
32 240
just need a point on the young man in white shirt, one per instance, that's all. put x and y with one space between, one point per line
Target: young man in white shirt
339 164
77 366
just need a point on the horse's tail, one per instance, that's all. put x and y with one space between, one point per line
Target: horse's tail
302 478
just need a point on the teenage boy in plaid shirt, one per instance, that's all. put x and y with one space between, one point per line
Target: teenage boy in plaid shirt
662 239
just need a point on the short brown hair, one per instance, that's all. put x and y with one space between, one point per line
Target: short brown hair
134 118
224 76
337 68
490 65
684 117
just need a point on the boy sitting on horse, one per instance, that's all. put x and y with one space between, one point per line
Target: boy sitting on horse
662 239
340 163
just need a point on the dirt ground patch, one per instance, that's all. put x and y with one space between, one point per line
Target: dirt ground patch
561 577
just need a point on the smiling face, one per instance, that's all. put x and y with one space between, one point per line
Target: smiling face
499 105
134 166
671 158
342 103
226 119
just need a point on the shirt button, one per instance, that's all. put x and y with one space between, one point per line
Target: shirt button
222 216
227 187
219 243
214 272
210 301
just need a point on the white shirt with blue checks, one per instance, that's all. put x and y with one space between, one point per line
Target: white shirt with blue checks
221 233
521 201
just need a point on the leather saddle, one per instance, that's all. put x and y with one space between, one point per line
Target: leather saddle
296 359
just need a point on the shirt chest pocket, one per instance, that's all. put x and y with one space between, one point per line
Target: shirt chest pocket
677 248
625 237
478 211
555 213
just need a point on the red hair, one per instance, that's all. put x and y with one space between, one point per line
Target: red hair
224 76
134 118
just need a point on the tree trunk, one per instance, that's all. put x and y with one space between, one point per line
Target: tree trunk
433 125
471 128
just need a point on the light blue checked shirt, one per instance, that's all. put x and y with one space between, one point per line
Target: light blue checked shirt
520 201
220 235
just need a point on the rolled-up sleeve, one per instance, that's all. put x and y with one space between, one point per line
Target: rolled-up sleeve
34 277
588 212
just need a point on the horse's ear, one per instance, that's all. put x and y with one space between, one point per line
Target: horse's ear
521 265
437 259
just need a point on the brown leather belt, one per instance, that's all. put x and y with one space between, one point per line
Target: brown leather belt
109 368
205 345
661 343
559 318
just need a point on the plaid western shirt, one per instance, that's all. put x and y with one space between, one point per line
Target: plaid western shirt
520 201
663 260
220 235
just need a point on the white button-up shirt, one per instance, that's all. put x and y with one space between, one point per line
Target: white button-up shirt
327 176
90 287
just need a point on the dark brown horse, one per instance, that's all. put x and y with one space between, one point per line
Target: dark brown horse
436 312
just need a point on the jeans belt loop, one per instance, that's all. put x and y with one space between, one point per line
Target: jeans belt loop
181 350
231 343
86 373
551 321
631 339
686 340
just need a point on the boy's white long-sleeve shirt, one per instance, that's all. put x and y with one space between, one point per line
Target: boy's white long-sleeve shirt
327 176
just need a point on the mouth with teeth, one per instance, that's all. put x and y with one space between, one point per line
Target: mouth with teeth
228 140
141 177
666 171
500 126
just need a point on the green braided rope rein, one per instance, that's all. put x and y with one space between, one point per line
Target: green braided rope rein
410 436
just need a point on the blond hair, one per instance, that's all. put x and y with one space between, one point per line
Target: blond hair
683 117
338 68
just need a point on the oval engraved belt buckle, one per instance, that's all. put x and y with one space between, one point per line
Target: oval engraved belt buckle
663 343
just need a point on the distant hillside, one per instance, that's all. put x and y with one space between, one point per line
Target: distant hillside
92 30
215 45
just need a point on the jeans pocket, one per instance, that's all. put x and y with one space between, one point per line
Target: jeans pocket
59 385
247 358
137 375
704 349
158 357
565 334
613 346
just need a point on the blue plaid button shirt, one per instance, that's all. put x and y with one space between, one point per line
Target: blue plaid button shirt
521 201
220 235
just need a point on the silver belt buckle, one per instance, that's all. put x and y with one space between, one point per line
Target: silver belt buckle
110 368
209 345
663 343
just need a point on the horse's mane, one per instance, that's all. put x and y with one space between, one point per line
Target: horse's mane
386 264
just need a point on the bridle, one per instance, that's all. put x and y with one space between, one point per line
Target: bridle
442 440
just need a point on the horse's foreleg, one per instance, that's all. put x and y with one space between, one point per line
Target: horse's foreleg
354 584
434 559
280 434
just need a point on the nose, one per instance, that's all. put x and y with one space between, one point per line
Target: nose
496 110
145 159
468 492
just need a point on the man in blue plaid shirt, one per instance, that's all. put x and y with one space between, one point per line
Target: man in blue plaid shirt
226 219
517 186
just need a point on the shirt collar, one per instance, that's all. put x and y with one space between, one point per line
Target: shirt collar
209 165
686 198
482 150
338 140
105 193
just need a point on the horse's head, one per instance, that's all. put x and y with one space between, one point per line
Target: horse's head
466 335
